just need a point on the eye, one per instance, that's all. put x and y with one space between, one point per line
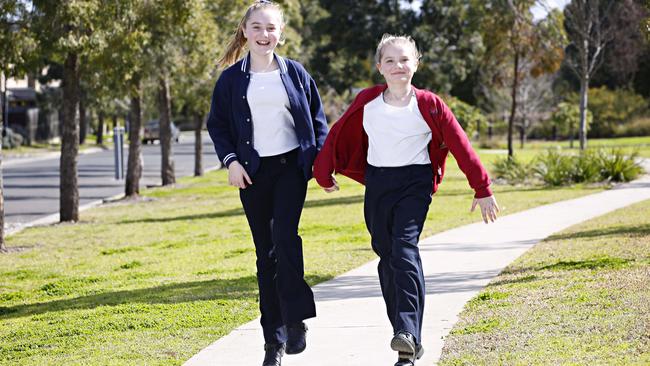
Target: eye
256 27
271 29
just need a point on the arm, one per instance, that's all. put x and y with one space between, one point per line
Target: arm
324 163
468 161
218 123
222 136
317 114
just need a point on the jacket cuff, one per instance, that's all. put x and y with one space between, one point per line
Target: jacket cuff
229 159
483 192
325 182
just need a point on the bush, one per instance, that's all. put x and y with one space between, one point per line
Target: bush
467 115
618 167
12 140
512 170
613 108
553 168
638 127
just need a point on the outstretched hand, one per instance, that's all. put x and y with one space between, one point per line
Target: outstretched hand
489 208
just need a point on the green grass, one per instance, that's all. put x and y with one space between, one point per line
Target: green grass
42 148
154 282
581 297
628 144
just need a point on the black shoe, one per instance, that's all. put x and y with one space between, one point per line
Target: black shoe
407 350
296 338
273 354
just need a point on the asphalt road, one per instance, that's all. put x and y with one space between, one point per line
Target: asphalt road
31 187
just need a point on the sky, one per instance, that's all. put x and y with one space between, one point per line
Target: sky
538 10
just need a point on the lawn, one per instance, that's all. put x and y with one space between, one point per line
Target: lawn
581 297
627 144
153 282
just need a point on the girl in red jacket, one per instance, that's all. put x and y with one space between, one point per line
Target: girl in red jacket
394 138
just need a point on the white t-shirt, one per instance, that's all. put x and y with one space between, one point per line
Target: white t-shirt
397 136
273 126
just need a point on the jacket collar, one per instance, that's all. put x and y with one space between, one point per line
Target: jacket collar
246 63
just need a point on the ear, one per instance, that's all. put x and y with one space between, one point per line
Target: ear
378 66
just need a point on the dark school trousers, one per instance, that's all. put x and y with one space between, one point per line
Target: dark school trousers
395 208
273 204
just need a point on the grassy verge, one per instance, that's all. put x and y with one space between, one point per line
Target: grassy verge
154 282
43 148
580 297
627 144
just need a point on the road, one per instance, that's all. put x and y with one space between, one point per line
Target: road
31 188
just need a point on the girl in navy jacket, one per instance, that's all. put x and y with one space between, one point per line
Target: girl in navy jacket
395 138
267 124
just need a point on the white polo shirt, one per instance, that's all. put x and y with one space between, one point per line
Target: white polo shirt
397 136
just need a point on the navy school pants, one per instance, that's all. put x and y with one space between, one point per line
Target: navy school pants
273 204
395 207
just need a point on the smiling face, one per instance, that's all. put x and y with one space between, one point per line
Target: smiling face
398 62
263 30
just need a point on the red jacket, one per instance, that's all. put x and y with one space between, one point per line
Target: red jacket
346 147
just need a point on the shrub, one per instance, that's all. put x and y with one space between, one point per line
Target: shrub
613 108
467 115
586 167
617 166
637 127
512 170
553 168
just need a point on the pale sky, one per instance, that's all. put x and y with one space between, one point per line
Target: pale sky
538 10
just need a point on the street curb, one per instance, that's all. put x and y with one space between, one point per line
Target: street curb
38 157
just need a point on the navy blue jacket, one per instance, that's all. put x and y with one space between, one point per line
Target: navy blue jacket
230 121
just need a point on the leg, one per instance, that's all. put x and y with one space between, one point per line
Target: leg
258 206
295 296
377 213
408 222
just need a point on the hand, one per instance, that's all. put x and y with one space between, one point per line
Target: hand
333 188
489 208
237 176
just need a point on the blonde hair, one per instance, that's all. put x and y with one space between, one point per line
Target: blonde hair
238 41
390 39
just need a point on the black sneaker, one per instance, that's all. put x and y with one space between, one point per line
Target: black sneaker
407 350
296 338
273 353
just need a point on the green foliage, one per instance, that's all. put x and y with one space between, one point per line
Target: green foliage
468 116
566 119
613 108
448 35
512 170
619 167
555 169
637 127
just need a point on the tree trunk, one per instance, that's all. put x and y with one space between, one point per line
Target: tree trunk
83 120
69 190
114 117
134 167
584 89
513 109
198 145
522 135
3 247
100 127
164 108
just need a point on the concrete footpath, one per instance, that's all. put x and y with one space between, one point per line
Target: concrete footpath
352 328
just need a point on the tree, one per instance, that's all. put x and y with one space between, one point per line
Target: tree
16 47
588 28
66 30
517 47
199 40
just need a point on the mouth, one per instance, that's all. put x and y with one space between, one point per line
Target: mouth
263 43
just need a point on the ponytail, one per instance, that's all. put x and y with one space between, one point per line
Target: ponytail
237 43
235 46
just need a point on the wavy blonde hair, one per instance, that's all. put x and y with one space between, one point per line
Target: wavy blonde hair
238 42
390 39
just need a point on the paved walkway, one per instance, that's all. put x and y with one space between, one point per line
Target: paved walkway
352 328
